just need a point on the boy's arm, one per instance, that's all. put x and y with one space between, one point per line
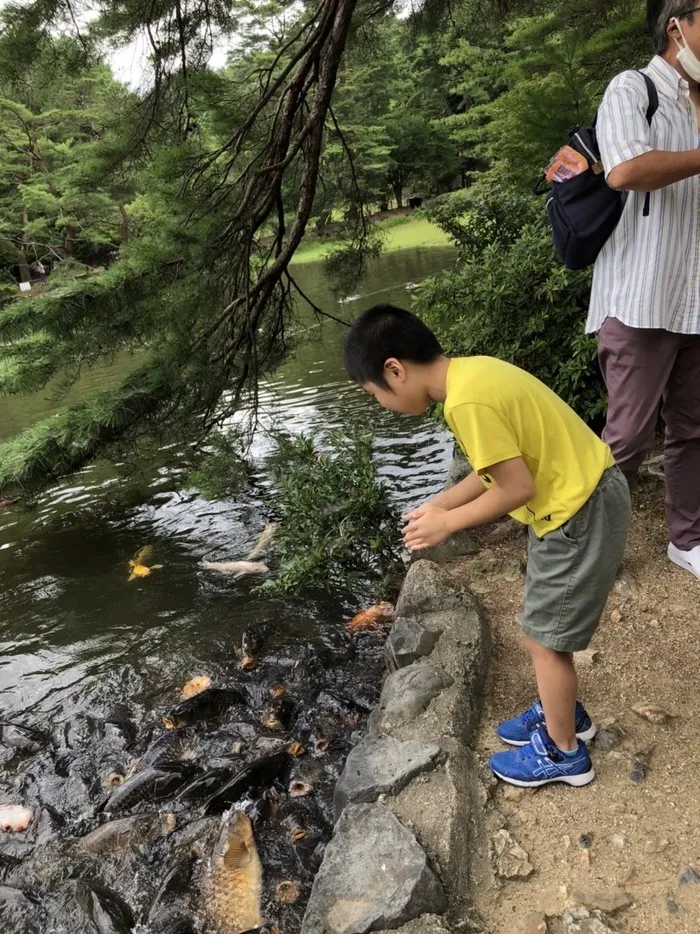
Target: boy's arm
466 491
513 487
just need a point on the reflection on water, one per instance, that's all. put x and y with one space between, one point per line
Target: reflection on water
72 625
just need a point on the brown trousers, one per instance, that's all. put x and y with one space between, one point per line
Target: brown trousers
643 369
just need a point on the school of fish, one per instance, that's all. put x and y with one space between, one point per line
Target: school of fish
207 814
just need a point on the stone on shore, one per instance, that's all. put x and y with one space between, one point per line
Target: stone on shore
460 468
407 642
407 694
459 545
381 765
608 900
510 859
374 875
583 921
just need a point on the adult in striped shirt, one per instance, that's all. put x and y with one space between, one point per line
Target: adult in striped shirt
645 303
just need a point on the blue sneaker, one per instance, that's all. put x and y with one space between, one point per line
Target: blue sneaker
540 762
516 732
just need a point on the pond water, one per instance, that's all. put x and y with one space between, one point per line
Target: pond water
80 645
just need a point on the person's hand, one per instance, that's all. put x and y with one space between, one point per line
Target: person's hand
417 512
426 527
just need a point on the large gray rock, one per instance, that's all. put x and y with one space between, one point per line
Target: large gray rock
428 588
407 694
459 545
374 876
460 468
381 765
408 641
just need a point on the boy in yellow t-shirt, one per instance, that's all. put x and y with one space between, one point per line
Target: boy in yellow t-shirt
534 459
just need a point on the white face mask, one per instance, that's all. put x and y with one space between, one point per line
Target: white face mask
687 59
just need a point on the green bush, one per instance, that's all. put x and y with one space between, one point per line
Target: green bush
483 215
517 302
338 526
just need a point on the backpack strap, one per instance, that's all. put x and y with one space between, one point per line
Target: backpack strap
651 110
653 96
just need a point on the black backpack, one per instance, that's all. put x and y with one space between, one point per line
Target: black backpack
584 211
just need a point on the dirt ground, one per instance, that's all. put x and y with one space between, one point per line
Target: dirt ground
641 836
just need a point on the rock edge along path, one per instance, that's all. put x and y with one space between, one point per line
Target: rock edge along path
408 802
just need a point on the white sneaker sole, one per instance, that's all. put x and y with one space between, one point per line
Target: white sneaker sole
586 736
578 781
682 563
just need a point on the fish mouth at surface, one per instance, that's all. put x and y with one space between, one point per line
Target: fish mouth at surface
287 892
299 789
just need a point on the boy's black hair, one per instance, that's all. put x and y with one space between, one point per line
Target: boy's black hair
382 332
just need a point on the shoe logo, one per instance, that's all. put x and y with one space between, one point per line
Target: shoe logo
545 768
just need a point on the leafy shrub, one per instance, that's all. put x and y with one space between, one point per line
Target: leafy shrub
338 525
477 217
517 302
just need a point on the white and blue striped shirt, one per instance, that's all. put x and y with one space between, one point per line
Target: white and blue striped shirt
648 273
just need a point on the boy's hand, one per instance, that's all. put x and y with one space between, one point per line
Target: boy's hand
426 527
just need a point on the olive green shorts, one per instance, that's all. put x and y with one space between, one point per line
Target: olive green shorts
571 571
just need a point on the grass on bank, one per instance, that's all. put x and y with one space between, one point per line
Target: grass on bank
401 233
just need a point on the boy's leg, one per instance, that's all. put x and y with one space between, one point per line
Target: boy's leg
569 576
558 688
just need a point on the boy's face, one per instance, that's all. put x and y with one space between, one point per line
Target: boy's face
406 394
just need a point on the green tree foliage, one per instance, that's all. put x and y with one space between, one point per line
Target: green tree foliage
534 73
174 211
338 525
52 120
517 302
525 73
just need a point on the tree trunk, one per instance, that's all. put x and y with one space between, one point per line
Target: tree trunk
24 271
69 241
124 229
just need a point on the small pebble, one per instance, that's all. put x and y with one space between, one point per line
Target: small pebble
607 739
585 840
688 877
619 839
672 907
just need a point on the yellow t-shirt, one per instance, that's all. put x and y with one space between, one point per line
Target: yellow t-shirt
497 412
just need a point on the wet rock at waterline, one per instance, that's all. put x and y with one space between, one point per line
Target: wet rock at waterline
381 765
407 694
408 641
459 469
374 875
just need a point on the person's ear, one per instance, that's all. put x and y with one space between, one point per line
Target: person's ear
394 370
673 31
